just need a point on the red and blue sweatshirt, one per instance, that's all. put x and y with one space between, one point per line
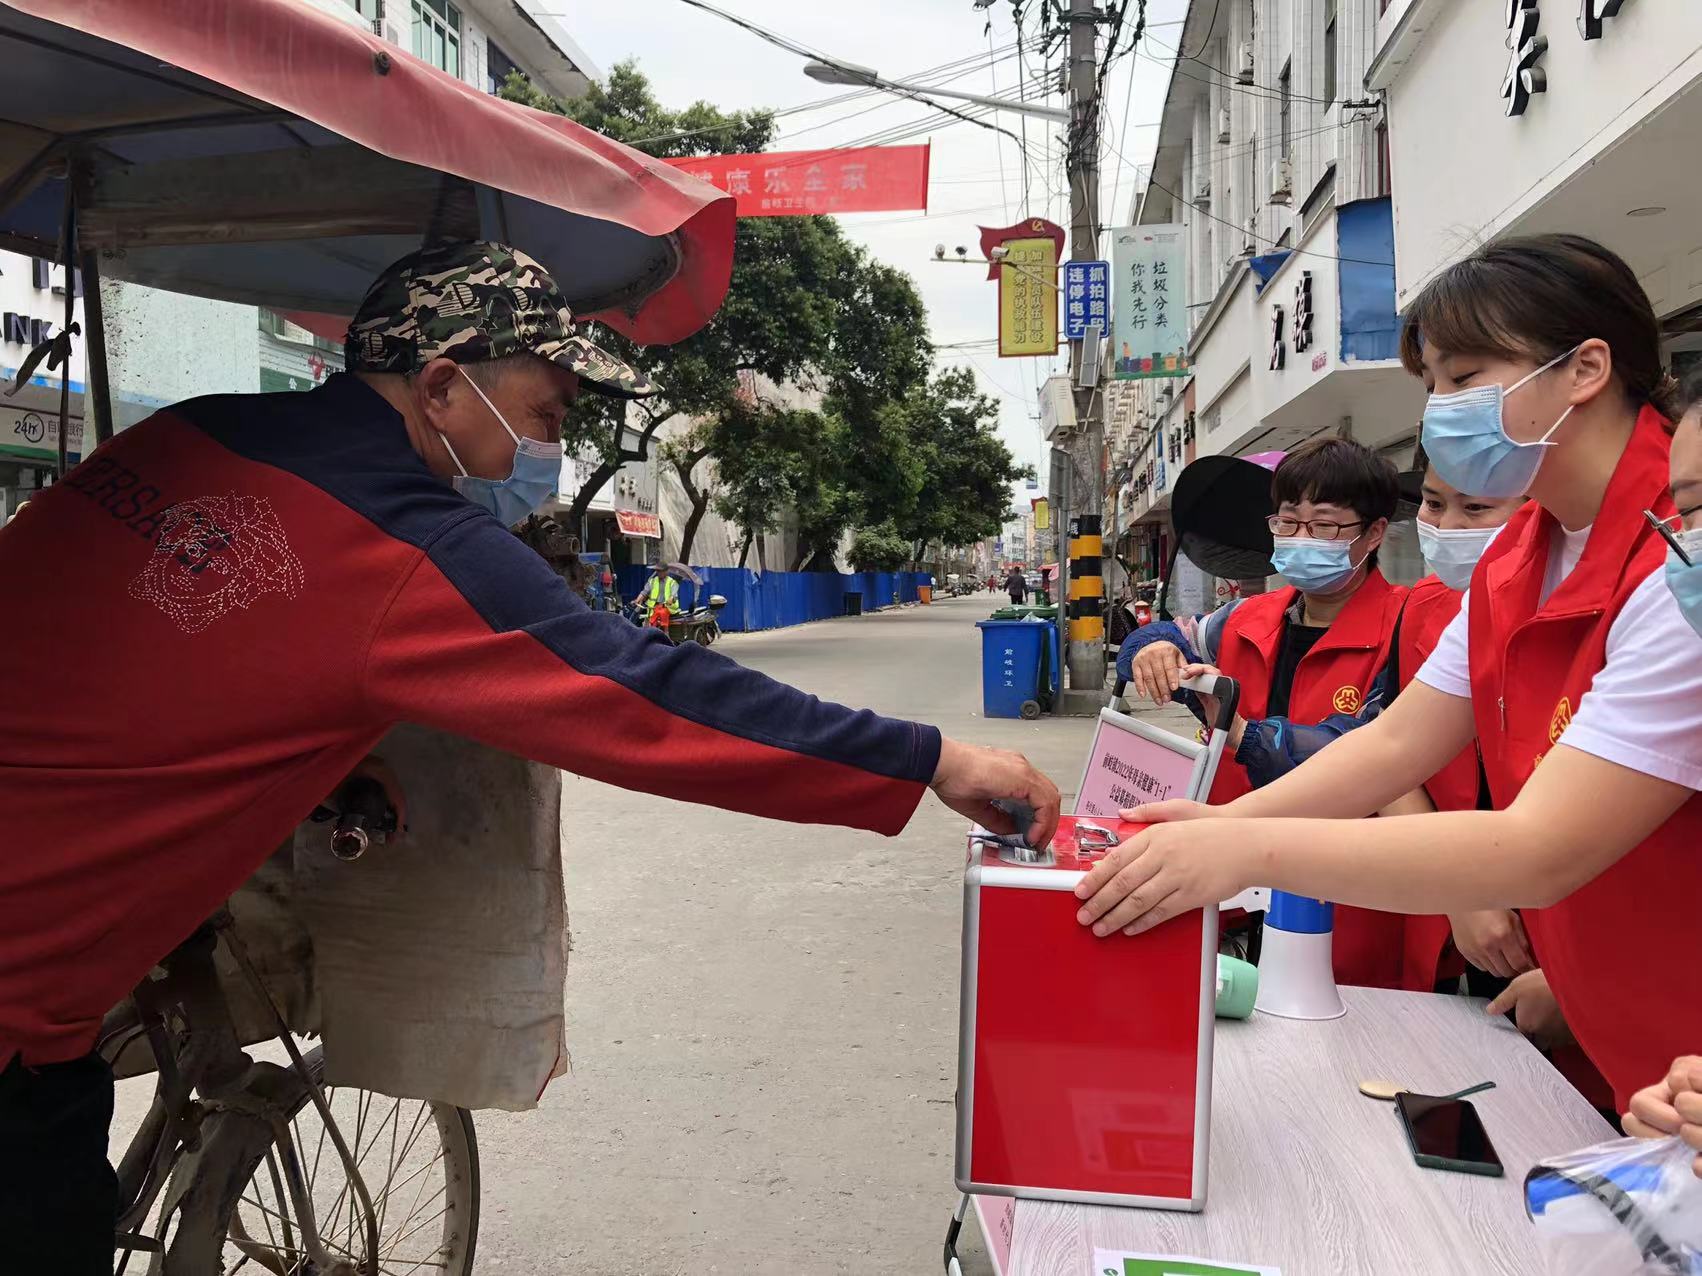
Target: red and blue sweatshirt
223 609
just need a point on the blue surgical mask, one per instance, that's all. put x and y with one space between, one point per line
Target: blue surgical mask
1314 566
1685 579
1465 437
531 480
1453 554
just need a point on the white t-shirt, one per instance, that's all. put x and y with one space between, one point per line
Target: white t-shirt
1644 707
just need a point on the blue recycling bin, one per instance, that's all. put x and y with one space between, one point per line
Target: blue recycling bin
1010 667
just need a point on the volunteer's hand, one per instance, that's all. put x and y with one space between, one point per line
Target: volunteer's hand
1238 727
373 767
970 777
1157 670
1170 811
1158 873
1493 939
1535 1011
1671 1106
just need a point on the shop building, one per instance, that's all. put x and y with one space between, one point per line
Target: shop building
1588 123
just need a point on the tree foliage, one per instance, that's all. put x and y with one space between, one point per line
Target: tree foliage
878 549
807 308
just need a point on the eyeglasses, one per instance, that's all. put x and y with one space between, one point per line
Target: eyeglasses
1669 528
1317 529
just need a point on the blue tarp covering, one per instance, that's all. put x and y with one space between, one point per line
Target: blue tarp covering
1365 238
774 600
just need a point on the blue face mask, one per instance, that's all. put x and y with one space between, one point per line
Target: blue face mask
1465 438
1314 566
531 480
1685 579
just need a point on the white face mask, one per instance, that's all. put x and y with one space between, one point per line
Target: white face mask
1453 555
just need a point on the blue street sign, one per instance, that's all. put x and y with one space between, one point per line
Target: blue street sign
1087 298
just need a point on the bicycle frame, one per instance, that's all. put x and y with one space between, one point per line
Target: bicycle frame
214 1114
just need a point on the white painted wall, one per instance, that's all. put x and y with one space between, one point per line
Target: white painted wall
1464 171
164 347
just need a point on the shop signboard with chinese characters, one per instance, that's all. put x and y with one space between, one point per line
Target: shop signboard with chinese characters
853 179
1149 302
1024 260
1087 301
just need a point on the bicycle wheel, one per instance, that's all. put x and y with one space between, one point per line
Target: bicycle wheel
420 1164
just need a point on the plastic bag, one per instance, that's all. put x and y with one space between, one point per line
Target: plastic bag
1630 1207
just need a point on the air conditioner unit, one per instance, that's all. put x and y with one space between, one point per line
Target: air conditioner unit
1244 64
1282 180
1223 124
1202 192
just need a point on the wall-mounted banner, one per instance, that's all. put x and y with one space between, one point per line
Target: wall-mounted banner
1028 284
1149 307
856 179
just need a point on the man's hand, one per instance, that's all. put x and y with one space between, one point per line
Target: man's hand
1671 1106
1157 670
1535 1011
970 778
1493 939
1161 872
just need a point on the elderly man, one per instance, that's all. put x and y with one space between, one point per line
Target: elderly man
276 580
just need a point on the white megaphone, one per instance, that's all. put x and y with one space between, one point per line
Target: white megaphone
1297 977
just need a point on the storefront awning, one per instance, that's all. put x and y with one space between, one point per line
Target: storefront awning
633 523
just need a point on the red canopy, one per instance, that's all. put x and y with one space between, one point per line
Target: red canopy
267 152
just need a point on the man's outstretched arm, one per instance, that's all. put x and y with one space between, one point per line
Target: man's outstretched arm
483 640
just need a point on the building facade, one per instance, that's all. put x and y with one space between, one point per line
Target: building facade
1274 159
1591 132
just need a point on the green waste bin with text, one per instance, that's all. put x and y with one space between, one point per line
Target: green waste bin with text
1010 667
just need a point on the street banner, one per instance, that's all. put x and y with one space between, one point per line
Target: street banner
854 179
1149 302
1042 513
1028 285
1087 301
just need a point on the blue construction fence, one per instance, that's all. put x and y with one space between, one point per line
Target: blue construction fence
774 600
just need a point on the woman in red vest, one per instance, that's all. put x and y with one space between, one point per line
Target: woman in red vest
1306 651
1570 662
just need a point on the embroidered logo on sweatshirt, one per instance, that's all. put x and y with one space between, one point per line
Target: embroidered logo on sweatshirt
216 553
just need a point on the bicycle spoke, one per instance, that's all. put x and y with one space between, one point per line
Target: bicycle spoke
404 1183
410 1219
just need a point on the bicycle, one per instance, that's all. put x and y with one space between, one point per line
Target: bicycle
221 1162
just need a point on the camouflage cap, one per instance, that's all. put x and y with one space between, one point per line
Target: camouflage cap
473 301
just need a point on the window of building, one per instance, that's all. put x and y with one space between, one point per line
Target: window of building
498 65
368 9
1385 176
437 34
1329 50
1285 93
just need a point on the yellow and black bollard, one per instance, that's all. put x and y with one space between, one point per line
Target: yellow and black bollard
1087 584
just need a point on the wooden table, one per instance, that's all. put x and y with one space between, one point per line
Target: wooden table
1310 1176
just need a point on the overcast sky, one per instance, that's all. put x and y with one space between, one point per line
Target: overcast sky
689 55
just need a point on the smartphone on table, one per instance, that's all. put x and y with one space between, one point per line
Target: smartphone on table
1447 1134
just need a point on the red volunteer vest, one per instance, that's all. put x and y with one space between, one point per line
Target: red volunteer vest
1430 606
1332 678
1620 951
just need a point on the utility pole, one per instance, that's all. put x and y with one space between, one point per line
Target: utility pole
1084 582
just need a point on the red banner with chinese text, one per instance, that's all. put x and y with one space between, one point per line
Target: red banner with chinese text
858 179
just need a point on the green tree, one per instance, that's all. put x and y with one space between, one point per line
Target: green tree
763 455
804 306
878 549
684 453
966 469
